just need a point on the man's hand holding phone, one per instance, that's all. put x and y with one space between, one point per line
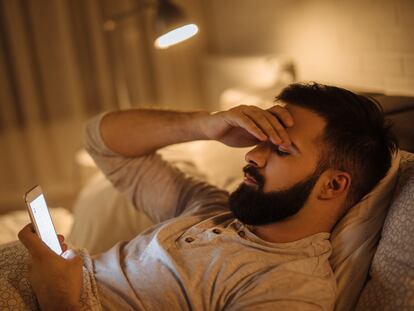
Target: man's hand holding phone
56 280
55 273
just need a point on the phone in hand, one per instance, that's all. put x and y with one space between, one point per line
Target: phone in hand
41 220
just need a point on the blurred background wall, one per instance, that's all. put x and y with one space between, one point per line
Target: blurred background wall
359 43
58 67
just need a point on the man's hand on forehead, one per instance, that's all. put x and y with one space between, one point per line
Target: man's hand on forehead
281 112
249 125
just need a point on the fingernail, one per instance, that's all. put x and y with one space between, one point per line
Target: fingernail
276 141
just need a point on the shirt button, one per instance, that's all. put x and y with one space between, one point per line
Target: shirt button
216 230
189 239
242 234
237 225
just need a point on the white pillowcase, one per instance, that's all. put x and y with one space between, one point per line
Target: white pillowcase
11 223
103 217
217 163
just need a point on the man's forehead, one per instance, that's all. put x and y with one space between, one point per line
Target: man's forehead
308 126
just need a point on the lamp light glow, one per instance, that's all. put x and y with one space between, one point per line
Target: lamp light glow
176 36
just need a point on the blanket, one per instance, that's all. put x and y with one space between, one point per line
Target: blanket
16 291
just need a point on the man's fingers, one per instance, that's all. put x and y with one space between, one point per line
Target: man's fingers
282 114
250 126
62 243
33 243
279 129
64 247
261 124
25 236
269 123
260 119
61 238
71 254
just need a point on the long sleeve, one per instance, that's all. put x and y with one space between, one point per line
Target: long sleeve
152 184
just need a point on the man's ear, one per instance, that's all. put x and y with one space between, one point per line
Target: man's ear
334 184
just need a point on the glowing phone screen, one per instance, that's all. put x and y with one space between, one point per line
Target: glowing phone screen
44 224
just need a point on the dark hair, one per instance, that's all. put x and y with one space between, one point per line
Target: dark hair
357 138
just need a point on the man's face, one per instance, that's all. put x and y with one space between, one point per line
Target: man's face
278 181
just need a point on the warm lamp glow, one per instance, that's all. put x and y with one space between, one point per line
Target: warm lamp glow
175 36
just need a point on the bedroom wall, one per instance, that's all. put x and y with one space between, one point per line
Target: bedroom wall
366 44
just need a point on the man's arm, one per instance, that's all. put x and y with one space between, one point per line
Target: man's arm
122 145
135 133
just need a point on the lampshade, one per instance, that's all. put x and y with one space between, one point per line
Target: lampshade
171 25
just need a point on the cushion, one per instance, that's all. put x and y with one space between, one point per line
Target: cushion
11 223
355 237
98 207
391 286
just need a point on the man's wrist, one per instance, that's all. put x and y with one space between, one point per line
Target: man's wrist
199 122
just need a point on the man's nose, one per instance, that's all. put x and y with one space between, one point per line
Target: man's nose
258 155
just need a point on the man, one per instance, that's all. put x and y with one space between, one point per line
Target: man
265 246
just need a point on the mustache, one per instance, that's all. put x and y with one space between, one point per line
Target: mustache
254 173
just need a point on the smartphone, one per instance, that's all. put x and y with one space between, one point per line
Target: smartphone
41 220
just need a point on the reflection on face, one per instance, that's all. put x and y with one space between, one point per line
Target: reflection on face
252 206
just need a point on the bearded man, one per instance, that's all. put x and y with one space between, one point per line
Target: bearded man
266 246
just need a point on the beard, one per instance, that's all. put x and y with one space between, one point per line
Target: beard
253 207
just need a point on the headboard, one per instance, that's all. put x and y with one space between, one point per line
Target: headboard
400 110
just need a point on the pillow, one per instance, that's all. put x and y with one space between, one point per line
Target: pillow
355 237
11 223
392 271
215 162
98 207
